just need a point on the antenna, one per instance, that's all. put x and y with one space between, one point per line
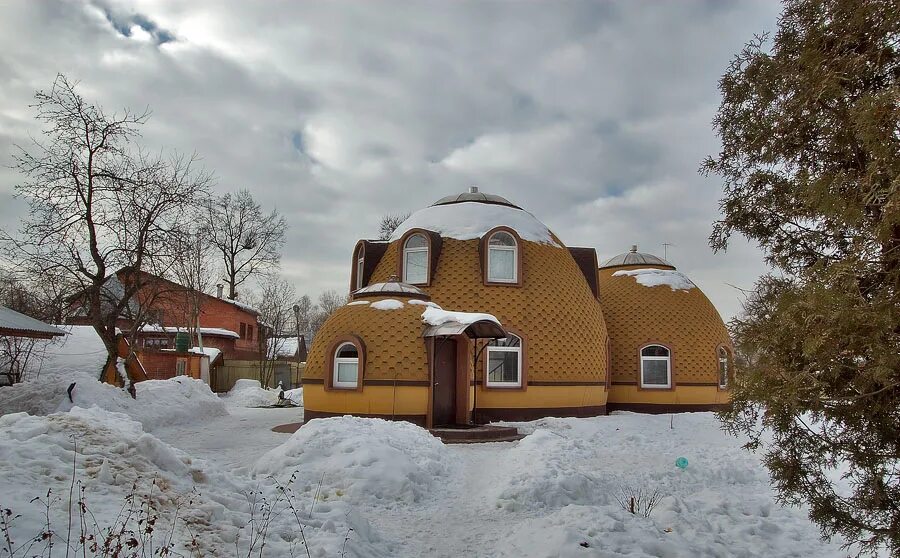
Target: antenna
666 249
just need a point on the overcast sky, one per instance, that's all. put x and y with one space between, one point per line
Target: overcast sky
592 115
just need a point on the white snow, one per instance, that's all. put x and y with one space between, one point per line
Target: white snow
362 460
250 393
217 331
435 315
417 302
80 350
656 277
387 304
283 346
470 220
357 303
211 352
295 395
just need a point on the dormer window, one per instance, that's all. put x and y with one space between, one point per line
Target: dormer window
502 258
360 263
415 260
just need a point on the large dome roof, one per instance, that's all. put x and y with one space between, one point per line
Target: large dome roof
473 195
470 215
633 257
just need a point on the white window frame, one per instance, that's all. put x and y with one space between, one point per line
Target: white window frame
345 360
668 360
487 365
407 251
723 357
515 263
360 264
181 367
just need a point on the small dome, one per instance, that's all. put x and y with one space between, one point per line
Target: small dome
393 286
633 257
473 195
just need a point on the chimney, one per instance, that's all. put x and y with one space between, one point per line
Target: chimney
219 288
633 248
473 189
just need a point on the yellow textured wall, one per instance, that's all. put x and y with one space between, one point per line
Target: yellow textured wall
553 309
373 400
685 321
393 339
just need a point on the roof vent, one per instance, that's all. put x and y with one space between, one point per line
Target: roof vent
473 189
634 248
393 279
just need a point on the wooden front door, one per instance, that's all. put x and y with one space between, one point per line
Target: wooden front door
444 390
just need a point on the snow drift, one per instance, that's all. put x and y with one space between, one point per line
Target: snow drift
250 393
363 460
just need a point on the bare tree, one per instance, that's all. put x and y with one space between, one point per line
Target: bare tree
275 302
389 224
247 239
329 301
194 271
99 203
304 316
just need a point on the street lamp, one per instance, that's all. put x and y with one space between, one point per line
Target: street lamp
297 351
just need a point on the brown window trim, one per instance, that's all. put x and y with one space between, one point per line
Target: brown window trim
640 378
484 249
434 251
523 380
360 369
360 246
730 372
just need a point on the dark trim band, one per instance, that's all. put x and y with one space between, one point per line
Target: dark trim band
533 413
309 415
666 408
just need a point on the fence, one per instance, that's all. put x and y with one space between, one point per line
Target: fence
223 377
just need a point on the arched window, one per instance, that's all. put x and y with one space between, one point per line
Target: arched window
360 263
502 258
415 260
656 367
346 366
724 367
504 362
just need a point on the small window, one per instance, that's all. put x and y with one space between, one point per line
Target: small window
502 258
180 367
415 260
724 367
504 362
359 270
249 332
656 367
346 366
156 343
243 330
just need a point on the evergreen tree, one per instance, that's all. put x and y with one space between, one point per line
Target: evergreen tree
811 165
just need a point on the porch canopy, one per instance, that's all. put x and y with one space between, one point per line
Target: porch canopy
481 329
15 324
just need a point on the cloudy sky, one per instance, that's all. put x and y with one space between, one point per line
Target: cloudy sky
593 115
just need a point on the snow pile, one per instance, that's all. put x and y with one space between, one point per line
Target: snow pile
81 349
470 220
417 302
112 454
435 316
358 303
370 461
387 304
215 331
540 474
676 280
157 403
250 393
295 395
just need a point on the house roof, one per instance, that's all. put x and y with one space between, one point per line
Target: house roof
16 324
633 257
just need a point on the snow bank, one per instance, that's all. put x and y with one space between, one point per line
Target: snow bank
676 280
81 349
470 220
250 393
111 454
435 315
371 461
157 403
387 304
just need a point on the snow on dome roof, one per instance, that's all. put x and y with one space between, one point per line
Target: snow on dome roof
633 257
473 195
467 220
393 286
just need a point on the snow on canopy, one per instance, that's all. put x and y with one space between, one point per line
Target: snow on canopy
217 331
471 220
435 316
676 280
387 304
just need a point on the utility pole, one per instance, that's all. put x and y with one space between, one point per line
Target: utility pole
666 250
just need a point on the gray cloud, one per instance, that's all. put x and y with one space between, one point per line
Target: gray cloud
594 116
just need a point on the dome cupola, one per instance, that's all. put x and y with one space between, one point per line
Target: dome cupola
633 257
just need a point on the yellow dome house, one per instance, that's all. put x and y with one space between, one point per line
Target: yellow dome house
525 338
670 350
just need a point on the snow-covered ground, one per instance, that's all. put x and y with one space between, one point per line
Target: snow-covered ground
365 487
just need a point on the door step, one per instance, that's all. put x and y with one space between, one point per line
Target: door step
476 434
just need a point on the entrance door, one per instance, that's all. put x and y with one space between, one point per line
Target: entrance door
444 404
